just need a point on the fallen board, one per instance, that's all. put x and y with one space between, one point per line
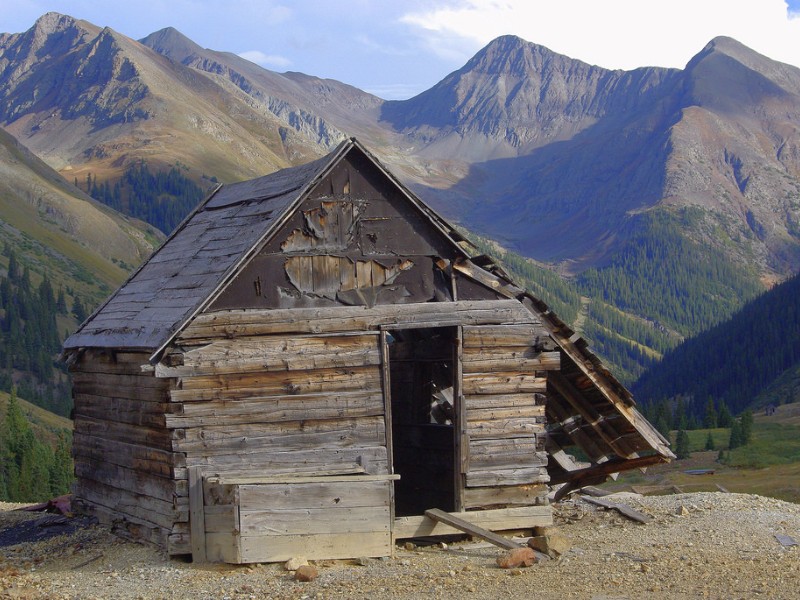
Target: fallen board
473 530
624 510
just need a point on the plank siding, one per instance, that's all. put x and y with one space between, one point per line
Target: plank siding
505 379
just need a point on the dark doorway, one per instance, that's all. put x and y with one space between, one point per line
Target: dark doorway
421 371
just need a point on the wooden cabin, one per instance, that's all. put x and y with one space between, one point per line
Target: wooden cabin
312 360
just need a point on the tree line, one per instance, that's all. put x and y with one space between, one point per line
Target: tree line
161 198
29 337
30 469
733 361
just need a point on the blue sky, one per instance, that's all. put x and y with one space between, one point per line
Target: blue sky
396 49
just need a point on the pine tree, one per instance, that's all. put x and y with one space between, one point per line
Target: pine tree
737 438
710 442
747 427
710 417
725 419
78 310
682 445
61 471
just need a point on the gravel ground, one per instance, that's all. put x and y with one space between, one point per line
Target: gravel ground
705 545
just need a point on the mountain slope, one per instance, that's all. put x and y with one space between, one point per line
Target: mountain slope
56 229
90 99
736 360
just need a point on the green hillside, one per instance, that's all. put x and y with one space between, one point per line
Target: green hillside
738 360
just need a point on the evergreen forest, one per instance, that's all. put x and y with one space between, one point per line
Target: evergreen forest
161 198
31 470
30 341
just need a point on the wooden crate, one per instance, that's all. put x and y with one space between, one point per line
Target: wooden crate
271 519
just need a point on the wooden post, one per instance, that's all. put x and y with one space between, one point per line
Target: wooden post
197 518
460 425
387 408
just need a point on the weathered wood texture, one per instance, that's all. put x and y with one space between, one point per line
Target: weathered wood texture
238 323
126 471
503 519
317 517
504 381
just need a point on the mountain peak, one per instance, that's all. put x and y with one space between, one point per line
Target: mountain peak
171 43
512 55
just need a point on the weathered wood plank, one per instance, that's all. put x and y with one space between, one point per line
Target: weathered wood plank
503 519
363 519
279 548
470 528
272 461
292 435
125 502
623 509
132 456
516 412
277 409
350 493
525 335
505 428
503 383
352 318
277 384
197 519
489 362
512 495
124 432
506 453
276 353
130 480
498 477
484 401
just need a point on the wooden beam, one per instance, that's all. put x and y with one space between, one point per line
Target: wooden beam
473 530
197 518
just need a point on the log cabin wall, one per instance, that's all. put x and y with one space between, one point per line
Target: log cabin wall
127 473
504 388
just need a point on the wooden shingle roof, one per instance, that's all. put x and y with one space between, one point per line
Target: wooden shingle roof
195 260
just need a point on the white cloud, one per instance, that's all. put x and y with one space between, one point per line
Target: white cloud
619 34
266 60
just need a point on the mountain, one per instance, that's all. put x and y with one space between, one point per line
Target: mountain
756 352
58 230
669 197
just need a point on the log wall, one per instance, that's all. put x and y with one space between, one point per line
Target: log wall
126 471
504 385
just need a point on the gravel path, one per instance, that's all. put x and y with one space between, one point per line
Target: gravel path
706 545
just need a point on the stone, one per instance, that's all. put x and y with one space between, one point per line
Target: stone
295 563
554 544
682 511
306 573
518 557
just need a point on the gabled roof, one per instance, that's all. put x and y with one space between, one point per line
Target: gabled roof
205 252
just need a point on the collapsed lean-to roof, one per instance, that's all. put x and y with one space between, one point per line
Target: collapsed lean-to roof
587 406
